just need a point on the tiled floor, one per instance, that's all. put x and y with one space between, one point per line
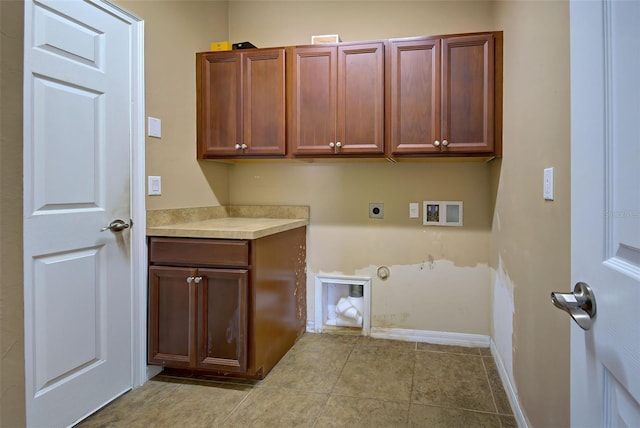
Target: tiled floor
331 381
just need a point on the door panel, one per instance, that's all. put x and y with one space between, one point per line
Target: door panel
68 341
467 93
360 115
605 210
415 96
314 100
223 332
172 315
219 104
78 289
264 102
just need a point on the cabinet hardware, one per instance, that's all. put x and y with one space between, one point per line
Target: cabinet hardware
445 143
436 143
189 280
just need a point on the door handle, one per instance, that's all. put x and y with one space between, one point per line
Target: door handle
581 304
117 226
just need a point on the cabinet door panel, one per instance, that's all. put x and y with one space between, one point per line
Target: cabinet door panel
313 100
223 320
219 104
171 317
360 115
264 102
468 100
414 106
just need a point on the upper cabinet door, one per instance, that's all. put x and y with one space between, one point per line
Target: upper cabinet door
414 96
313 82
360 119
219 95
264 102
468 93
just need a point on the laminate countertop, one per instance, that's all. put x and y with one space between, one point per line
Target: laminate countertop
228 228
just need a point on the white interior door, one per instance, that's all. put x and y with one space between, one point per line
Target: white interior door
77 162
605 210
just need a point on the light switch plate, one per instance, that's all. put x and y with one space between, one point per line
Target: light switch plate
154 127
548 184
414 210
155 185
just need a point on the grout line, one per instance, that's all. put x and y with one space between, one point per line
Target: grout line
330 393
413 377
493 396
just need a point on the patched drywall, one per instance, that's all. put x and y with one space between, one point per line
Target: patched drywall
502 314
434 295
426 263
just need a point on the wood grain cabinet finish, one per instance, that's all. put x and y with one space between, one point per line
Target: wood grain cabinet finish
442 95
237 319
241 103
336 99
198 318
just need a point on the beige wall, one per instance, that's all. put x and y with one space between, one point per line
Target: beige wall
174 32
513 250
429 266
530 238
12 400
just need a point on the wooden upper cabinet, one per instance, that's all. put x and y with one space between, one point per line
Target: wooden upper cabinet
468 93
337 99
442 94
414 96
241 103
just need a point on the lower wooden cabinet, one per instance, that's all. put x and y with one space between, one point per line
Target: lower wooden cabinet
210 306
207 314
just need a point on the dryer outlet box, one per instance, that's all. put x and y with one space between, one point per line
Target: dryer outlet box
376 210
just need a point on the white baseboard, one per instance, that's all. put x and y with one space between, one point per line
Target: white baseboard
509 389
437 337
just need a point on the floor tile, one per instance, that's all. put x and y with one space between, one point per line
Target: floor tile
448 348
277 407
171 404
499 395
362 412
508 421
451 380
329 380
376 372
440 417
311 366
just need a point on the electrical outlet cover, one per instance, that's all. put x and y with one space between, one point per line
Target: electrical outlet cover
376 210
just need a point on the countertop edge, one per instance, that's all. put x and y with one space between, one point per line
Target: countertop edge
184 231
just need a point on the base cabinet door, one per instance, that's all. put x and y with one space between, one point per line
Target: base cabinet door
223 319
172 315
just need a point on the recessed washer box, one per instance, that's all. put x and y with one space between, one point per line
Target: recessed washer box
442 213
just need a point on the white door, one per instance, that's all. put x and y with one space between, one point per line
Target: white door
605 210
77 145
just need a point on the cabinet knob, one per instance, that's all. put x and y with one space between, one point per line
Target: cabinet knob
436 143
238 146
338 144
445 143
189 279
243 146
332 145
197 279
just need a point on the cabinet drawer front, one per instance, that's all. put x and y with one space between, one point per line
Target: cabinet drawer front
199 252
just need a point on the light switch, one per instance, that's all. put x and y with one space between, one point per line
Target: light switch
548 184
155 127
155 185
414 210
